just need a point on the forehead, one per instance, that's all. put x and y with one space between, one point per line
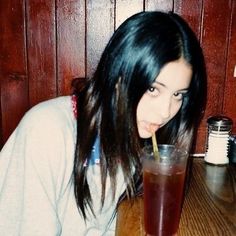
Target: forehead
175 75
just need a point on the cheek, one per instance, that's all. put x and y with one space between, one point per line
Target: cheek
175 108
139 110
142 108
143 114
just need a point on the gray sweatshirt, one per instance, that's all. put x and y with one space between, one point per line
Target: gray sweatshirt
36 187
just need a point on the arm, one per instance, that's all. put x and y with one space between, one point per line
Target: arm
29 181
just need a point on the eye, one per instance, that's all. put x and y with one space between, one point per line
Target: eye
153 91
178 96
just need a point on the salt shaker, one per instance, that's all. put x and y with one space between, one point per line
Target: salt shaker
219 129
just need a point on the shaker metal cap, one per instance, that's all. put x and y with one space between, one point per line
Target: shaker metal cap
219 121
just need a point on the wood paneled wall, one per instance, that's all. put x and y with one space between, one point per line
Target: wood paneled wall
44 44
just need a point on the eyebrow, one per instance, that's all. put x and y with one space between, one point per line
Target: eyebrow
183 90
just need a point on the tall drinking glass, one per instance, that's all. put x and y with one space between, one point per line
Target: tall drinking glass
163 182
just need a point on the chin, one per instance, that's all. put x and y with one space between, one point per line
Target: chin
144 134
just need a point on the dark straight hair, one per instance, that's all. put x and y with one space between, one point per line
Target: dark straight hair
107 104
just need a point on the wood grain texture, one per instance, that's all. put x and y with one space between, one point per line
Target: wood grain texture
213 36
191 11
41 45
99 28
126 8
13 66
229 105
216 20
209 207
161 5
71 43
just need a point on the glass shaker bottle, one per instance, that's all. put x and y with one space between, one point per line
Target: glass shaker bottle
219 128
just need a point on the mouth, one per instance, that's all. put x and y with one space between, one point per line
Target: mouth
154 127
149 126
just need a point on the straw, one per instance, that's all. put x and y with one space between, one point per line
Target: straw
155 147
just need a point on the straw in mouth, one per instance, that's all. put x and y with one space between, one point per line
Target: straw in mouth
155 147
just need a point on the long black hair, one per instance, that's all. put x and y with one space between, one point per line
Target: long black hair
107 105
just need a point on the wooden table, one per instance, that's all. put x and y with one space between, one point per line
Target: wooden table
209 207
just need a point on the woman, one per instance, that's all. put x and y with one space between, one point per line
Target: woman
68 162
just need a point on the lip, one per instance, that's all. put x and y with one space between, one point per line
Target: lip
154 127
149 126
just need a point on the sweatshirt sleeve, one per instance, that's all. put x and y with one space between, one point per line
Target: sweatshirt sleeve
30 167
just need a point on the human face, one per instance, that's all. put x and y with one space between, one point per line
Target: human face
160 103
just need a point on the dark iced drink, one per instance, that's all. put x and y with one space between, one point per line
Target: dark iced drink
163 182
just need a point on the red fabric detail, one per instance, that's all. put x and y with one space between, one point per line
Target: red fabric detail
74 105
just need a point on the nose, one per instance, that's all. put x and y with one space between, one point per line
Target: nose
164 108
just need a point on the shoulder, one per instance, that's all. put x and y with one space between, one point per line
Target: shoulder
51 121
47 133
55 112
